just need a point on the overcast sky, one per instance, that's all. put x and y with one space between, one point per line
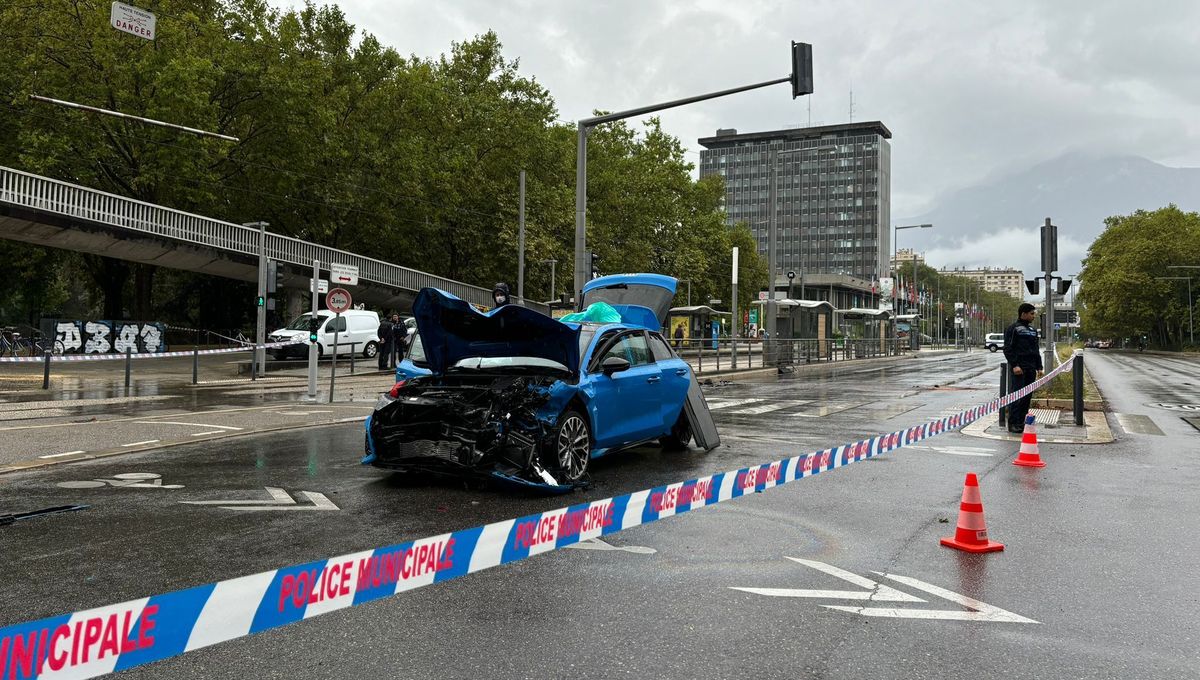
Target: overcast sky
969 89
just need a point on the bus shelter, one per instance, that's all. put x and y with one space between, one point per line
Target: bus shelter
909 326
695 324
804 320
866 323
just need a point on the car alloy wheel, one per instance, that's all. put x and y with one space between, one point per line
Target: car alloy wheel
370 350
573 446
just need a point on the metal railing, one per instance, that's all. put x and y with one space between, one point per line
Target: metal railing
728 354
39 193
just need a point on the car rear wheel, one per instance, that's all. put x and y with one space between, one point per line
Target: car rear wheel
680 435
993 348
571 447
370 350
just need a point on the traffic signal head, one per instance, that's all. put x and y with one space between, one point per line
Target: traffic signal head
595 265
1033 286
272 276
260 301
802 73
1063 286
314 324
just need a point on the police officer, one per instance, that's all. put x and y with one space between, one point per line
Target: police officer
384 348
1024 361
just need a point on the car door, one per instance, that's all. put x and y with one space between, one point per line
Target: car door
625 405
676 378
338 324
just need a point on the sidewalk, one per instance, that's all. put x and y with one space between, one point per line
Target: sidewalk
1054 427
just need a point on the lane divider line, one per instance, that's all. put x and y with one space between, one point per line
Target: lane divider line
148 441
60 455
102 640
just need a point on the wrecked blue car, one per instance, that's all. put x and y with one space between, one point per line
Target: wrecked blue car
516 395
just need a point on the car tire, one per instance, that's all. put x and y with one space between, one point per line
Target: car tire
569 447
370 350
680 435
993 348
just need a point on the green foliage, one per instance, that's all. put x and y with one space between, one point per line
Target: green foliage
1122 296
343 141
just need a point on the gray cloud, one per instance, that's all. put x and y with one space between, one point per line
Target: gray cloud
970 90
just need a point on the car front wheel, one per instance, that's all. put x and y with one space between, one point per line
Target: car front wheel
993 348
571 447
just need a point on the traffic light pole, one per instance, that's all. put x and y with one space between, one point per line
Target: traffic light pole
260 333
585 126
312 346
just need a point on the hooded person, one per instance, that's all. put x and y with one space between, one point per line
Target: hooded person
501 295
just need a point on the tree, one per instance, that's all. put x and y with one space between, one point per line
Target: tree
1121 296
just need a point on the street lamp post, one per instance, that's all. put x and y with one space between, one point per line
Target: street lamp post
689 283
1191 329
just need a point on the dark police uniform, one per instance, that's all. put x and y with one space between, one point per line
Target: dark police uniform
1021 349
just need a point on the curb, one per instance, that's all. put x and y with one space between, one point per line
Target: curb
25 465
1094 422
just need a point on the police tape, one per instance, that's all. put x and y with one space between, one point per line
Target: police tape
145 355
103 640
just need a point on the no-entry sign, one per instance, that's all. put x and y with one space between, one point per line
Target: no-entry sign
338 300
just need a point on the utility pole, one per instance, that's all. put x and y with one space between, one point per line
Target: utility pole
737 318
772 236
553 292
260 333
521 245
314 286
1049 265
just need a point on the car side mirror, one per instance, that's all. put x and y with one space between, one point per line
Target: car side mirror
614 365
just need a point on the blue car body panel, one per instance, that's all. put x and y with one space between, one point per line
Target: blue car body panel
452 330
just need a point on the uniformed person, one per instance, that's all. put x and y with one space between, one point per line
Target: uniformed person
1024 363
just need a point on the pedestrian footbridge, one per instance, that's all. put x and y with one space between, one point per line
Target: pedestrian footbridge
58 214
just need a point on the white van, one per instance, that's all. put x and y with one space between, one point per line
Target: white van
356 326
994 341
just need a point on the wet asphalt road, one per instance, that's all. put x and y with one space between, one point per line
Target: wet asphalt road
1101 547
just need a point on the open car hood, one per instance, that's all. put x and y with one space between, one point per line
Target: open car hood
641 299
452 330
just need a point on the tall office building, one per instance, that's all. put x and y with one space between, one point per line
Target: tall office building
833 193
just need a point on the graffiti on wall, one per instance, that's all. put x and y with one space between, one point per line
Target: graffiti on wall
103 337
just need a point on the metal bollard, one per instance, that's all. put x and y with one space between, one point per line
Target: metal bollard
128 368
700 359
1003 410
46 372
718 356
1077 380
353 351
195 365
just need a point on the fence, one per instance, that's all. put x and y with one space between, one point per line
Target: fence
726 353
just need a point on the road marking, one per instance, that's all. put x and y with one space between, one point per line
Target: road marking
1138 424
772 406
125 480
171 422
597 544
354 419
828 410
715 404
982 611
302 413
148 441
979 611
280 500
60 455
201 434
956 450
1177 407
874 591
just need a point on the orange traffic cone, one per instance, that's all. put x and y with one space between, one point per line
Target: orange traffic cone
1029 457
971 534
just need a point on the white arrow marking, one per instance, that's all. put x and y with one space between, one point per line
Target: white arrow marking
982 611
874 591
716 403
280 500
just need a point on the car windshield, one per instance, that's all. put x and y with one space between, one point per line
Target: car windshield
416 351
301 323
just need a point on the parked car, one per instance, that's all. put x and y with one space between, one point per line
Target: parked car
515 395
994 341
356 326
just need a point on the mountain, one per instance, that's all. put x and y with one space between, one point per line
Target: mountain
1077 191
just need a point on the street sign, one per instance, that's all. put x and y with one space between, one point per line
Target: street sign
322 286
132 20
762 295
343 274
338 300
